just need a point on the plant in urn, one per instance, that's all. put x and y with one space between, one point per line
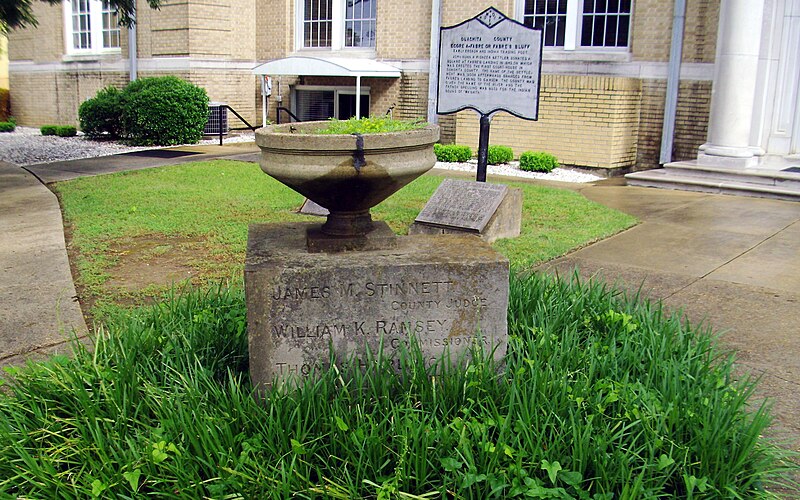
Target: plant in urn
346 173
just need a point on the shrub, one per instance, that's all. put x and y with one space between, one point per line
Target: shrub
100 115
66 131
537 161
7 126
163 111
5 102
48 129
452 153
499 154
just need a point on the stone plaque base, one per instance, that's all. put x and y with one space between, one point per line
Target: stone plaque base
502 218
447 291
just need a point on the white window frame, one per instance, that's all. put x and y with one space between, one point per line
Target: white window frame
572 31
337 33
337 90
95 30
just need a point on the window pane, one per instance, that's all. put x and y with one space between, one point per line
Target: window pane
81 36
622 33
549 16
360 24
314 104
110 26
605 23
317 23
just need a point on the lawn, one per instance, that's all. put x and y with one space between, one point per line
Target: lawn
600 396
190 221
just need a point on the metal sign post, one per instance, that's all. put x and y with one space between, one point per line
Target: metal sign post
489 63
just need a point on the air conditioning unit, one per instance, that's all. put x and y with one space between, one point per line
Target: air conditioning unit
217 119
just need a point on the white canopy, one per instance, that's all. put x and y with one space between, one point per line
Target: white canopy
328 66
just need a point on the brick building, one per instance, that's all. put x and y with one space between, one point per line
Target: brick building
604 73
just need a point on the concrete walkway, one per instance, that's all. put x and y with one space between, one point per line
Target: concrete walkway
729 261
38 307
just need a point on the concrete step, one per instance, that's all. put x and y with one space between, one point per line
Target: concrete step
783 186
747 175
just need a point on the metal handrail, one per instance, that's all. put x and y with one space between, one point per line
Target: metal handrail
288 112
219 118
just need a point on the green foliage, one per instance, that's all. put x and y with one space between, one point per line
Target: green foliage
600 396
163 111
48 129
452 153
66 131
100 116
59 130
499 154
8 126
537 161
371 125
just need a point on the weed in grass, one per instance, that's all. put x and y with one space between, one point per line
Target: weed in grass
601 396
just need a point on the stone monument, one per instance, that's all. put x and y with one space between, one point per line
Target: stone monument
350 285
491 211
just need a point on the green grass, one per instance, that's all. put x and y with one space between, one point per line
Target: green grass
599 397
371 125
213 203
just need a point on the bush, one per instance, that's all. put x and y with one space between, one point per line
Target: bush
537 161
100 115
8 126
48 129
452 153
163 111
499 154
66 131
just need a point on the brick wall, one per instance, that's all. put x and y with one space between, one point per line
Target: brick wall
584 121
691 121
54 98
44 43
413 97
404 29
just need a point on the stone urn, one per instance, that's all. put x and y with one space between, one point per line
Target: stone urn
347 174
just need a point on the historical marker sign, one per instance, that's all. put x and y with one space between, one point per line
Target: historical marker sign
490 63
464 205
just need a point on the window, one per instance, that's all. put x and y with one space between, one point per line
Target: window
571 24
91 26
336 24
313 102
317 23
359 27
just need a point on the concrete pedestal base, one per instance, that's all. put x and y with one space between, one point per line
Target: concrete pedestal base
447 291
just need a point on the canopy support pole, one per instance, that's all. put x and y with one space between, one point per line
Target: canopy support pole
358 97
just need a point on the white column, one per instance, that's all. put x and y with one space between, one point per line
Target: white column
733 94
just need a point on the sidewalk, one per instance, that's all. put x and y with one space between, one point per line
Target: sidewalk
38 307
730 261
